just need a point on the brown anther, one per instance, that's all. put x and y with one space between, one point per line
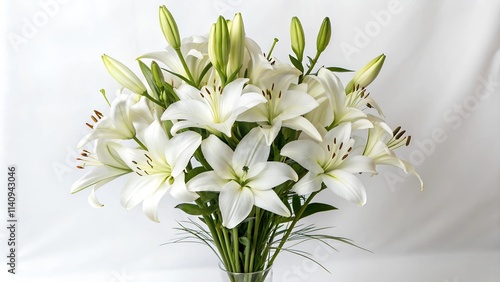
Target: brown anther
263 93
220 89
146 172
93 118
272 86
400 134
98 114
89 125
279 95
369 105
408 139
349 150
134 162
340 146
138 173
208 91
148 157
396 131
328 147
368 94
345 156
138 168
149 163
272 63
83 154
79 167
333 155
335 140
202 96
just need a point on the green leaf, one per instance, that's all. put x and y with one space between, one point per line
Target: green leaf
193 209
208 196
296 63
338 69
296 203
193 172
313 208
146 71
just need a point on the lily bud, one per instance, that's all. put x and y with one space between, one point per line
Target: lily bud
219 44
169 28
298 38
123 75
367 74
324 35
157 74
237 38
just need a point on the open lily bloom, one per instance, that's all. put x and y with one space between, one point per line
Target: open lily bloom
330 162
382 142
158 169
195 52
211 107
107 166
244 177
284 108
345 108
117 126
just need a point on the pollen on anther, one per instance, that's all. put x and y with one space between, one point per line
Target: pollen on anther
333 155
148 157
138 173
328 147
79 167
208 91
400 134
202 96
134 162
335 140
345 156
340 146
272 86
349 150
89 125
93 118
279 95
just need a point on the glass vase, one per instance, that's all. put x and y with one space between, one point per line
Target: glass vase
265 275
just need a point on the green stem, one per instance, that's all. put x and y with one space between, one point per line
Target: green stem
236 250
292 225
145 94
255 235
184 65
139 142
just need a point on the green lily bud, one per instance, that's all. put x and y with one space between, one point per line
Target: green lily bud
324 35
219 44
157 74
237 38
298 38
169 28
367 74
123 75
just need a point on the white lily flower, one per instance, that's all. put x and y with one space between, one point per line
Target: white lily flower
330 162
284 107
345 108
212 107
159 169
195 51
382 142
107 166
117 126
244 177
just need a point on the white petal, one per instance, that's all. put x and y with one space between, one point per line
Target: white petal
120 114
301 123
235 204
92 199
139 188
295 103
179 190
248 101
271 176
268 200
206 181
192 110
96 175
180 150
342 133
271 131
230 96
356 164
218 155
251 149
256 114
156 140
150 204
334 89
311 182
307 153
410 169
346 186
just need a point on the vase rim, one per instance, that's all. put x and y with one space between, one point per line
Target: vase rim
221 266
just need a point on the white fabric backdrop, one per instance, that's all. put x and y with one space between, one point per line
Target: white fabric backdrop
441 81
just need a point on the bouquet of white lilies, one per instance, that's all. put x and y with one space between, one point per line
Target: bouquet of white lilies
242 140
